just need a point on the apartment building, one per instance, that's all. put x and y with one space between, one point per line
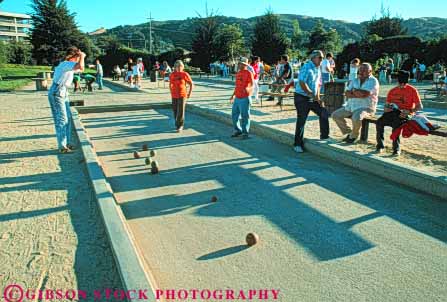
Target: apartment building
14 27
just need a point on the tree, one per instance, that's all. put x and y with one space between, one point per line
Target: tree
385 26
297 40
3 53
229 42
173 55
324 40
269 40
19 53
317 36
203 43
54 31
436 50
108 43
333 41
120 57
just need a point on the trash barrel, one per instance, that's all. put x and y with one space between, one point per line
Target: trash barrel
153 76
334 95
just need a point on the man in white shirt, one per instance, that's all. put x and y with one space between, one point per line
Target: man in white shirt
362 96
326 70
99 74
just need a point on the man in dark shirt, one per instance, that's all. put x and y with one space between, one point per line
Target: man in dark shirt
284 76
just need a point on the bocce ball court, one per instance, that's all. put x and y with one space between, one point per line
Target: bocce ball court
326 231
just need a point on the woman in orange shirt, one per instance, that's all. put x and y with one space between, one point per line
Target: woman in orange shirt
177 84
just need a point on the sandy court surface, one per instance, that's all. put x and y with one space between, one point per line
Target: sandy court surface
328 233
51 234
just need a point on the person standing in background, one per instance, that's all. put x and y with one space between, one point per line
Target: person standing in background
177 84
353 70
241 100
99 74
256 71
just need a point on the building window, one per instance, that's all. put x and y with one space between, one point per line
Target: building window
7 29
7 20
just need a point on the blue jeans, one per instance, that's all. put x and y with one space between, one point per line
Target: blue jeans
303 106
99 80
60 108
241 108
325 77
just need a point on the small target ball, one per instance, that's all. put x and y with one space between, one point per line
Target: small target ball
145 148
152 153
136 154
148 161
214 199
252 239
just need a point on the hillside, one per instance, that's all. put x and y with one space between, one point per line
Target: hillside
179 33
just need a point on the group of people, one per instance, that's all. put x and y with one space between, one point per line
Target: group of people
89 79
74 63
132 72
163 70
385 72
221 68
362 95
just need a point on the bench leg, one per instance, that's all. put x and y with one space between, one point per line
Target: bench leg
365 131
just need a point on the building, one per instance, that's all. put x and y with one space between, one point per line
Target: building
14 27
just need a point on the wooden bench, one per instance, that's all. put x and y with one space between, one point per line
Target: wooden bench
200 73
365 129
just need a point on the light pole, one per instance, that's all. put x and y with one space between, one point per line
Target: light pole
150 32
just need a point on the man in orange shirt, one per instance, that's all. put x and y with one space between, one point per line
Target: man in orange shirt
241 104
401 103
177 84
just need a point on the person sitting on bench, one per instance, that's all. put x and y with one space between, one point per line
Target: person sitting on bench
401 103
362 94
76 82
89 80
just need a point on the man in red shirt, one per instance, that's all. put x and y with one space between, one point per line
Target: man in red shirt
402 102
177 84
241 104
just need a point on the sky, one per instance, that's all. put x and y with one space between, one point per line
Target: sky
94 14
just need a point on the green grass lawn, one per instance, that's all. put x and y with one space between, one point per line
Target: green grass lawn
13 70
11 85
10 70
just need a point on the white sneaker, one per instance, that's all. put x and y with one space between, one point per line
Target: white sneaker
132 86
298 149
